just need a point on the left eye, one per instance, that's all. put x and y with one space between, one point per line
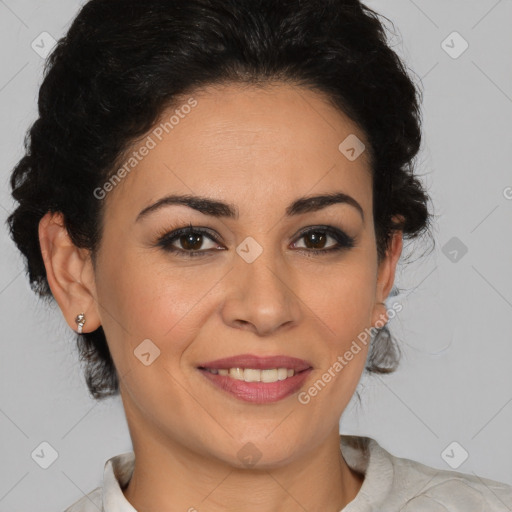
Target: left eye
316 239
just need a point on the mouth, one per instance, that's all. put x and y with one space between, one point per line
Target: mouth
257 379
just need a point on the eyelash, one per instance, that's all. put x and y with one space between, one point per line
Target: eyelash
166 239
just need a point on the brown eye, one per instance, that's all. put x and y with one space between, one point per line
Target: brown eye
188 242
191 242
315 240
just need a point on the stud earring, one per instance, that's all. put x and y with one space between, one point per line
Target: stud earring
80 320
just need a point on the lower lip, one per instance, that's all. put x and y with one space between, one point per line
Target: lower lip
258 392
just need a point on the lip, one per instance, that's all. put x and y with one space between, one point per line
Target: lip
258 392
258 362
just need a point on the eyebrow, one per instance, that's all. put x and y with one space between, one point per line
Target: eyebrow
221 209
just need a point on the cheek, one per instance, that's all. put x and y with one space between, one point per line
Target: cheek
341 302
142 300
341 299
342 307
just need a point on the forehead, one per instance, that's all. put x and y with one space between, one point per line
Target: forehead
260 144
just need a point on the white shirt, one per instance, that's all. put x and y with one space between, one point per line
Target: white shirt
391 484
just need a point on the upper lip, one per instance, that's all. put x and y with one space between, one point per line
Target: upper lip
258 362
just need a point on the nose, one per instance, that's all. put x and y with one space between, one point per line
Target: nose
260 296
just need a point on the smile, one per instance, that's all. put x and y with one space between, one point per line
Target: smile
254 374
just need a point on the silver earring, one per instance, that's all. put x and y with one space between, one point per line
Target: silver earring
80 320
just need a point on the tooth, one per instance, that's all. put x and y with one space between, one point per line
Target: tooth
237 373
252 375
282 373
269 375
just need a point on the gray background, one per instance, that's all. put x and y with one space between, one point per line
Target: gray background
455 382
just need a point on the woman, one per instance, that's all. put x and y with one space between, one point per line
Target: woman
216 195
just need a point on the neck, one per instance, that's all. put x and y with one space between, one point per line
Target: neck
172 477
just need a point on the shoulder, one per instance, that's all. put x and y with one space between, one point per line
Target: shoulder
417 486
91 502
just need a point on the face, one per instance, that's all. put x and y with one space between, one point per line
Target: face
268 280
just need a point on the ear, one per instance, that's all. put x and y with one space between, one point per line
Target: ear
69 272
386 278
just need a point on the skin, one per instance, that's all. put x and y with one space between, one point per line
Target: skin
259 149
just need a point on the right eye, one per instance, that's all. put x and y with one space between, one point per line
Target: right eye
190 238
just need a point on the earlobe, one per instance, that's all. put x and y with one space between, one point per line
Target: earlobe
69 272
